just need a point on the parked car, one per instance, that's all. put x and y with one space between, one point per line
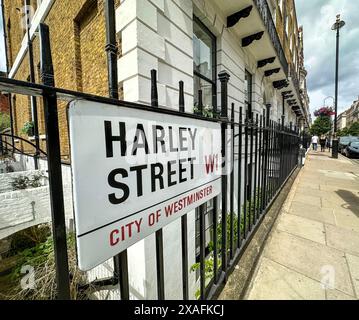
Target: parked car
344 142
352 150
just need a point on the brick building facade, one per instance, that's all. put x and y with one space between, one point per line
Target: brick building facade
4 103
260 51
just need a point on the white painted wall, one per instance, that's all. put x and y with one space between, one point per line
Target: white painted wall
6 179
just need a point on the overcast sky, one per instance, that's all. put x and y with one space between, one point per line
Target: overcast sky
317 18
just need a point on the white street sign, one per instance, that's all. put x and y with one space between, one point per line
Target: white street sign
135 171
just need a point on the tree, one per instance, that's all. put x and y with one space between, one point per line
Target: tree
321 125
354 129
343 132
4 121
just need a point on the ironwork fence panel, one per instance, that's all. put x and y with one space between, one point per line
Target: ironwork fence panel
267 154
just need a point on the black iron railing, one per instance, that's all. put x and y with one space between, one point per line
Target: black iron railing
260 156
266 15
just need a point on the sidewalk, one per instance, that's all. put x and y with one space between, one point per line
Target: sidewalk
313 250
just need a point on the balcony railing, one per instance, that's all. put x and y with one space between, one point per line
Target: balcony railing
266 15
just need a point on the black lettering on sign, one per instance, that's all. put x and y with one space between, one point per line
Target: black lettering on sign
140 132
118 185
157 176
110 139
138 170
159 138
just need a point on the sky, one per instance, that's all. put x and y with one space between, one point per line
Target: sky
317 18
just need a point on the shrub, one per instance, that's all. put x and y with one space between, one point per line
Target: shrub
4 121
23 182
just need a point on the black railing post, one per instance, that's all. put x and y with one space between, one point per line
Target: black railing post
184 229
224 78
231 189
111 48
54 167
267 150
32 80
154 90
159 233
239 178
120 261
181 97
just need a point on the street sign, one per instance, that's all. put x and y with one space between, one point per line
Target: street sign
135 171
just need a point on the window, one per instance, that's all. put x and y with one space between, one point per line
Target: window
204 64
248 80
205 74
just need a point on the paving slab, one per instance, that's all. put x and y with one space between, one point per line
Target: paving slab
307 199
353 262
314 246
337 295
342 239
347 219
310 259
302 227
312 212
276 282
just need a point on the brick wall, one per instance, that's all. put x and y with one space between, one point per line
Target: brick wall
79 59
4 103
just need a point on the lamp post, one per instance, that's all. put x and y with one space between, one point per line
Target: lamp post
329 97
336 27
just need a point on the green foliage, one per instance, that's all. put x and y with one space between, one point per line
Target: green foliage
28 238
209 262
28 128
321 125
353 130
4 121
24 182
207 111
343 132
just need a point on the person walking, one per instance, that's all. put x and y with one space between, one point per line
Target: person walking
315 140
322 140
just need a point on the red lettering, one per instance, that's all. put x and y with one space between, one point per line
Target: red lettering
169 210
210 162
114 241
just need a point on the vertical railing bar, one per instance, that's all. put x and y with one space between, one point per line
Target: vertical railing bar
224 78
250 175
260 169
215 239
54 168
264 133
255 171
231 188
239 196
120 261
202 257
184 223
245 201
273 160
181 101
159 233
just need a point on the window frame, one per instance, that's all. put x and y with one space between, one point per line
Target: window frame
248 102
212 81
